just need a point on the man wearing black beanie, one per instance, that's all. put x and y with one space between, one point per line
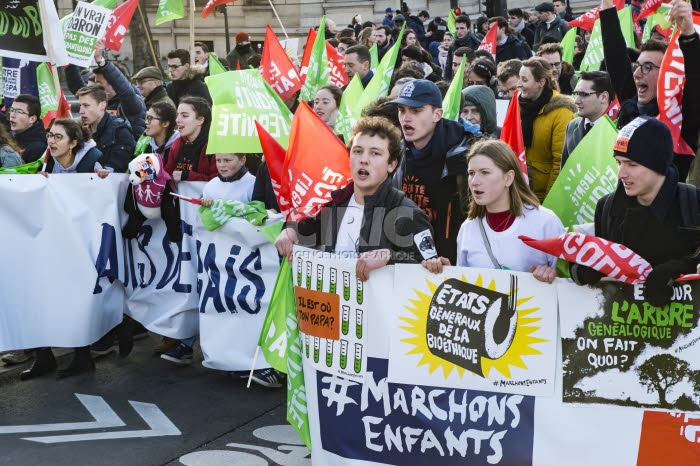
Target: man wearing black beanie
650 212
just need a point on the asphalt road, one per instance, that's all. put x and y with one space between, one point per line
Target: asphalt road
143 410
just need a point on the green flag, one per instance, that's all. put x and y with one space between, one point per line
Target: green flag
24 169
215 66
374 57
657 19
318 73
240 98
453 97
223 210
589 173
594 53
451 25
347 116
141 145
627 25
568 43
169 10
47 91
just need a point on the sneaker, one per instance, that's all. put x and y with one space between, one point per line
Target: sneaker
269 378
181 354
166 344
104 345
17 357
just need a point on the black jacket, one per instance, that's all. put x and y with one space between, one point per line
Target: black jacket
416 24
114 140
471 40
263 191
386 210
436 182
558 29
619 66
32 141
513 48
194 87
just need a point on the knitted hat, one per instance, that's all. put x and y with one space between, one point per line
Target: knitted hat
242 37
648 142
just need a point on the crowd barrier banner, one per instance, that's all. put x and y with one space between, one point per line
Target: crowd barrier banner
61 250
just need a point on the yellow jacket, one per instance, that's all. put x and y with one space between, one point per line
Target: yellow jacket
548 134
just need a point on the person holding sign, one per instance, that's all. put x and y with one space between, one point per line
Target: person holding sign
368 219
501 208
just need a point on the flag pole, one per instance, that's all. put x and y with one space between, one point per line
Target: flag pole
191 26
148 37
49 50
274 10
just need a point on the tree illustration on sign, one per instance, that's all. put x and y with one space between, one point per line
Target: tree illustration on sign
660 372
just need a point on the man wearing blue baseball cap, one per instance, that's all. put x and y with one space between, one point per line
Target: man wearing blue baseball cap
433 169
388 18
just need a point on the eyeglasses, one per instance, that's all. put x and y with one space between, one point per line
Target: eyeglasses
174 67
647 66
54 136
18 111
556 65
582 94
149 118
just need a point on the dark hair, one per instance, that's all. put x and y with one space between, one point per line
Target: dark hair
653 45
406 32
548 49
349 41
33 104
96 91
508 68
485 54
464 19
200 106
517 12
182 54
465 51
383 107
335 91
204 46
367 24
386 29
361 51
444 86
345 33
6 139
601 82
502 22
333 42
541 69
75 132
167 114
408 70
382 127
483 68
424 14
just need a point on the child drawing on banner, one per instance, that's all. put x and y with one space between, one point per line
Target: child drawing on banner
233 181
502 207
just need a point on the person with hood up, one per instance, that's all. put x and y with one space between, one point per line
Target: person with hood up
479 108
241 53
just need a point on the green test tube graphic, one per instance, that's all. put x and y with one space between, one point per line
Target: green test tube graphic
317 348
345 322
308 275
343 354
360 292
306 341
358 323
346 286
358 358
299 267
334 277
329 353
319 277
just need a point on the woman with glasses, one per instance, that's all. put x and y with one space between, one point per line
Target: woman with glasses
482 72
544 114
9 151
72 151
161 127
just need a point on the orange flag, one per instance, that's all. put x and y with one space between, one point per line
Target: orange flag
274 157
317 164
277 69
512 132
490 41
336 62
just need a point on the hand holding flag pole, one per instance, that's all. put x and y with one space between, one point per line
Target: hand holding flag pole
191 200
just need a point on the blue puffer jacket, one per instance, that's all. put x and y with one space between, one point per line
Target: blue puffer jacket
127 101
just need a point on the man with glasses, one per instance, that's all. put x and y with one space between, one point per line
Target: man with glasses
593 95
27 126
149 81
635 83
185 81
562 72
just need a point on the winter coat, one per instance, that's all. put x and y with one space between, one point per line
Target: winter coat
158 95
193 86
513 48
32 141
205 167
484 100
548 134
113 138
381 227
416 24
263 190
164 149
239 56
471 40
9 157
84 161
557 30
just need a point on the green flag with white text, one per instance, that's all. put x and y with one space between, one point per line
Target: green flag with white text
169 10
660 18
141 145
568 43
318 73
453 97
240 98
223 210
590 172
594 53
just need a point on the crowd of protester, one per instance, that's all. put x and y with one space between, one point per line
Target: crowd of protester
463 186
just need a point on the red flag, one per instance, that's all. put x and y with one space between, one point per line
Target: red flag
212 4
613 109
512 132
586 20
638 30
317 164
649 8
277 68
490 41
670 85
274 157
612 259
118 24
669 438
335 61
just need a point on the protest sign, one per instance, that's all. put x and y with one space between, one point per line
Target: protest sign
241 98
619 349
87 25
23 34
473 326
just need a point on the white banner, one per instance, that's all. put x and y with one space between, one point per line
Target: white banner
61 239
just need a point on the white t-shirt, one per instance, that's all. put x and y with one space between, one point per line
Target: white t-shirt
509 251
239 190
349 230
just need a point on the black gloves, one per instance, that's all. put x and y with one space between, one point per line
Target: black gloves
659 283
583 275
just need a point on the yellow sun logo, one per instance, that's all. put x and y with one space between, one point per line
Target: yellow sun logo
522 344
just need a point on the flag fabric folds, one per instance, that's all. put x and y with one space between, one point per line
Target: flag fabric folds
211 6
277 68
118 25
169 10
512 132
